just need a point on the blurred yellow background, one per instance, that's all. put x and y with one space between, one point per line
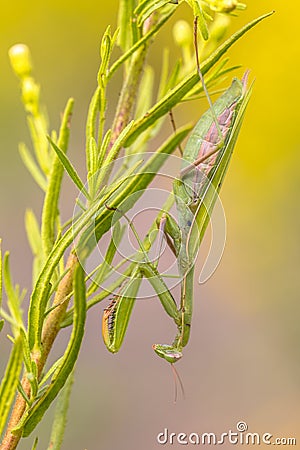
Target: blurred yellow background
242 362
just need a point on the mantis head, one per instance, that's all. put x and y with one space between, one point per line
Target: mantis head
167 352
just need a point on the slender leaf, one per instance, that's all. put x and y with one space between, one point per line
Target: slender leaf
35 242
127 26
33 232
13 300
38 129
10 381
60 415
32 167
114 151
198 12
105 52
50 209
148 7
69 168
35 443
51 371
26 351
105 267
103 148
91 122
23 393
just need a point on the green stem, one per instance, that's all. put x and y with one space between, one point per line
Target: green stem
129 91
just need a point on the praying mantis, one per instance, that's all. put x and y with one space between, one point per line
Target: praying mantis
204 163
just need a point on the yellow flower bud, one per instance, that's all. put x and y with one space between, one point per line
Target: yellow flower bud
228 5
30 95
182 33
219 27
20 60
224 6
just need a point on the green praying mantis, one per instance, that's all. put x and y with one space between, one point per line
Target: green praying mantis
204 163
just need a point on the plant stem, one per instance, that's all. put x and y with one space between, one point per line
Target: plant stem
50 331
130 87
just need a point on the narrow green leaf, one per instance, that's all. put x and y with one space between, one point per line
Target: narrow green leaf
69 168
13 300
93 150
106 267
26 351
33 232
145 92
126 25
103 148
91 123
35 414
51 208
114 151
23 393
174 76
31 377
38 129
162 90
34 446
179 91
60 415
142 5
105 52
10 381
32 167
146 8
51 371
1 325
36 317
35 242
115 37
93 155
198 12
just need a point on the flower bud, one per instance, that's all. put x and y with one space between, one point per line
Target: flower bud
20 60
224 6
182 33
219 27
30 95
